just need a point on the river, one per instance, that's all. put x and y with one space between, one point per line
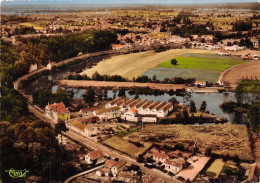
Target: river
213 99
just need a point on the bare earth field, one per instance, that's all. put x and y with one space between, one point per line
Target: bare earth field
136 64
248 70
222 139
110 84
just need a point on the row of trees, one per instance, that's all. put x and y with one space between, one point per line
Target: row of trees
24 30
141 79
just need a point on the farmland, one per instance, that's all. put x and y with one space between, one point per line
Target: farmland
222 139
125 146
136 64
203 63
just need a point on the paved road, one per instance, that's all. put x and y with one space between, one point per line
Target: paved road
95 145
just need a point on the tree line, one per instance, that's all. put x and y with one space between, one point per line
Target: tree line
140 79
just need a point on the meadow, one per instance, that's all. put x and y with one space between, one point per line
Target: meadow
136 64
203 63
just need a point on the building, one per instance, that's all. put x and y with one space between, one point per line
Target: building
164 111
50 65
200 83
88 112
160 157
57 111
108 113
117 168
33 67
224 52
173 166
93 156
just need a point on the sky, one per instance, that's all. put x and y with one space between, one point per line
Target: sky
122 1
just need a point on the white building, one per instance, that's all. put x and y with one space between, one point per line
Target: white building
164 111
33 67
160 157
173 166
108 113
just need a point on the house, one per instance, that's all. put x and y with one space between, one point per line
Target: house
88 112
256 57
117 46
57 111
108 113
131 115
116 168
247 57
224 52
93 156
113 102
50 65
144 106
106 170
33 67
155 108
173 166
160 157
200 83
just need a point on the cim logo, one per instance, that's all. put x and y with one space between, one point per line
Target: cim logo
17 173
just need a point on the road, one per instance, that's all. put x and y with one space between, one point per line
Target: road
95 145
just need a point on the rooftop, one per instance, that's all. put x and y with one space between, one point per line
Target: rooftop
96 154
100 111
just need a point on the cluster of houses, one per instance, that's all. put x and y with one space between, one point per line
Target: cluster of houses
133 110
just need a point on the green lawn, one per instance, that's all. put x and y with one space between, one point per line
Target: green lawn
201 63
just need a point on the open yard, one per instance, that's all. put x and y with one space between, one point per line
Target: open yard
125 146
204 63
136 64
222 139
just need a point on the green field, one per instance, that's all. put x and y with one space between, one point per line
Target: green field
214 64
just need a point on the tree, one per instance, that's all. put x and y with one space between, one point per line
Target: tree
174 61
254 117
173 100
203 106
121 92
185 115
192 106
89 97
60 127
154 78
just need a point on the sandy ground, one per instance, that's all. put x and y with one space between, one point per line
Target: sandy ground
136 64
248 70
85 84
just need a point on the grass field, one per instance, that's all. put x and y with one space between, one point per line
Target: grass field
125 146
200 75
36 24
201 63
136 64
223 139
